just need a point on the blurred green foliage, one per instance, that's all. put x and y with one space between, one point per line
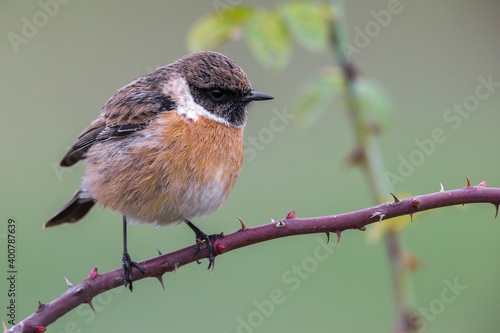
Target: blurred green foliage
269 34
429 58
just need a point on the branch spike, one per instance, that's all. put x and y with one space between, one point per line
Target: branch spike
395 198
496 211
41 306
159 252
243 225
442 188
338 237
70 285
160 278
327 237
411 217
468 182
89 302
4 327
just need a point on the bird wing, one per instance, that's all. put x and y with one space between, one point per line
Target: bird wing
129 110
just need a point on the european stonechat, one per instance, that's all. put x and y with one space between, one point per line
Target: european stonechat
166 147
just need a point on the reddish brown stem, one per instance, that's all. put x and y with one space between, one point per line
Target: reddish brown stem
96 284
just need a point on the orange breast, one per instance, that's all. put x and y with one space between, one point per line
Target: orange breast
173 170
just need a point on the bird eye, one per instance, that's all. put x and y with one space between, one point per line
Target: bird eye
216 93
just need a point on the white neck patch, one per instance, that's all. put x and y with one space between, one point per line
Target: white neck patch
178 89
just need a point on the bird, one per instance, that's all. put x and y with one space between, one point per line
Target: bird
166 148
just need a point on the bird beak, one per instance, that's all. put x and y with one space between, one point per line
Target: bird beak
257 96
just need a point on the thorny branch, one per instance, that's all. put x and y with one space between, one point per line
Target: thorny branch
96 283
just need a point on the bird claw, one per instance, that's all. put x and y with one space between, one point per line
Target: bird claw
127 265
202 240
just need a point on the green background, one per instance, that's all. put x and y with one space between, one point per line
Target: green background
428 57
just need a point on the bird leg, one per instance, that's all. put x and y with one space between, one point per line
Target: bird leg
126 261
203 238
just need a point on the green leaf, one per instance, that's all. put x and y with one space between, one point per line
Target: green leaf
374 102
218 28
318 93
308 23
268 39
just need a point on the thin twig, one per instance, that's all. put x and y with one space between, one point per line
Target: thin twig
96 283
368 156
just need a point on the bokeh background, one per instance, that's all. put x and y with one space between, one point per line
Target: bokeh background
428 58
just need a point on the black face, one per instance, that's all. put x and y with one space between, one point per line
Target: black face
219 85
227 104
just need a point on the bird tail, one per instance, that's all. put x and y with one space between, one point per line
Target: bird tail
73 211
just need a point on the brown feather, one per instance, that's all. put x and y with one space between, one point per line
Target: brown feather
174 172
72 212
132 105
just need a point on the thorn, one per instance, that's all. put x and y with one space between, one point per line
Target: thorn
338 237
442 188
363 228
291 214
496 212
243 225
40 329
175 267
89 302
395 198
415 202
159 252
468 181
160 278
70 285
93 273
327 237
41 306
411 217
4 327
280 224
483 184
380 214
